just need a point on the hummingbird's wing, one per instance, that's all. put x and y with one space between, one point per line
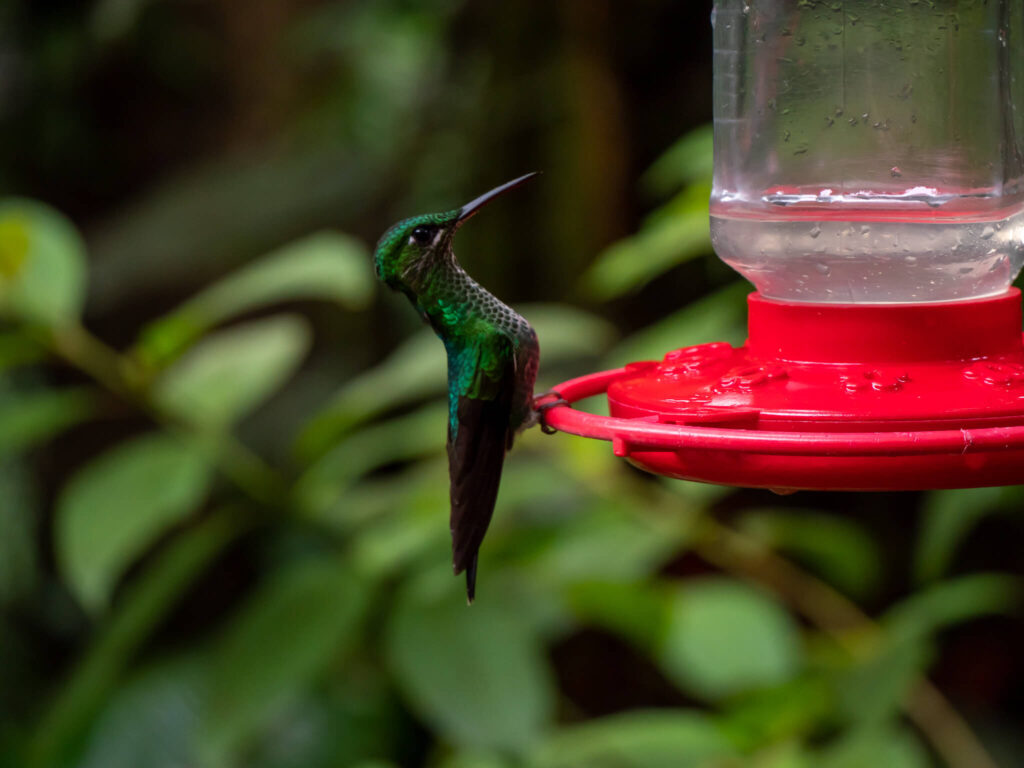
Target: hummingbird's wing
478 438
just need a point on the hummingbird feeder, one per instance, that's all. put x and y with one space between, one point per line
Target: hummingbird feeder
869 181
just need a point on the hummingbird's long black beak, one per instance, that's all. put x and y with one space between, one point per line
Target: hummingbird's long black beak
469 209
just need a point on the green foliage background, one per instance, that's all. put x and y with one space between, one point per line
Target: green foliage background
223 498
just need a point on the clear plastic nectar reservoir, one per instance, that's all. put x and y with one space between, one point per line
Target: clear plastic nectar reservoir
870 150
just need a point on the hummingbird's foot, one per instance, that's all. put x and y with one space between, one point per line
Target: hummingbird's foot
543 408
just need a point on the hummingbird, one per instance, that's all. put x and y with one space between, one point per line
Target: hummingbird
493 356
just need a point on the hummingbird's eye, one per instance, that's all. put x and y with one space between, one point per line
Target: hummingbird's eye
423 235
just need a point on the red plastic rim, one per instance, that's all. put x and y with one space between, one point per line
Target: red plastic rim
878 397
644 433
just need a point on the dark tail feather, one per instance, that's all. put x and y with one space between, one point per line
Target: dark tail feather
471 580
476 453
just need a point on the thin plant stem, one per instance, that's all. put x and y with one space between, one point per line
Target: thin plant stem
854 631
151 597
120 375
145 603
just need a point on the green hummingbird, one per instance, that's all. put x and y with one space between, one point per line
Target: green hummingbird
493 356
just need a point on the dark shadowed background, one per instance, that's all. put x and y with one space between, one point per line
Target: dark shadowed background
223 492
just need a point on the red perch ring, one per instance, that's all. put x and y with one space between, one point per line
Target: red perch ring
827 396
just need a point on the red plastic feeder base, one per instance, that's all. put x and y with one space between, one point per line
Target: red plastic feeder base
827 396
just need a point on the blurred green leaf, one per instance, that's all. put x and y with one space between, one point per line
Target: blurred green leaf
477 674
609 541
42 263
347 717
290 629
664 242
111 19
687 161
19 678
673 234
637 611
654 739
725 638
835 547
872 690
417 369
232 371
531 601
590 464
18 550
701 495
535 487
721 316
373 498
786 755
471 759
398 516
947 518
118 505
29 417
212 214
17 349
887 746
146 601
567 333
408 533
325 265
393 57
787 711
412 436
954 601
150 722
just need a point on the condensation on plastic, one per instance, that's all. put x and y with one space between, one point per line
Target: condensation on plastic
870 151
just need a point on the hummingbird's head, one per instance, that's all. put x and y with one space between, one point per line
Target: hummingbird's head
413 245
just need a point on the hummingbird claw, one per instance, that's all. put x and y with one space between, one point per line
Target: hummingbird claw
543 408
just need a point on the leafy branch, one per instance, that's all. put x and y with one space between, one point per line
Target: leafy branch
849 627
